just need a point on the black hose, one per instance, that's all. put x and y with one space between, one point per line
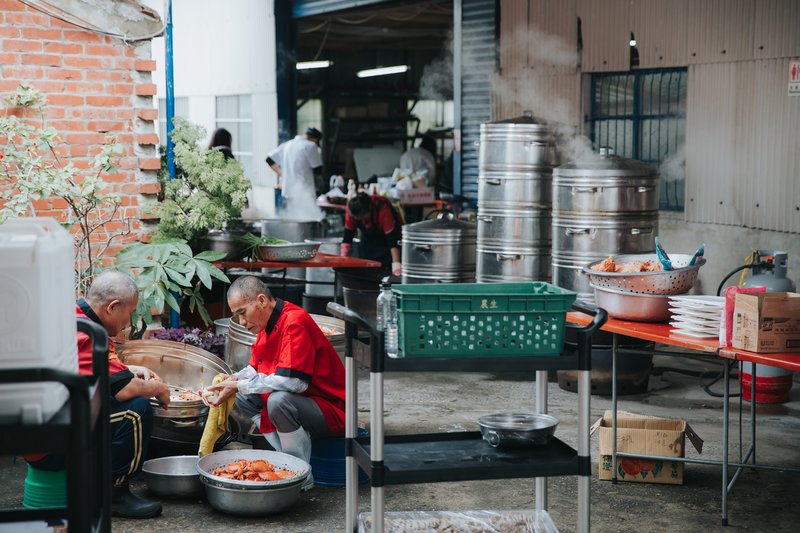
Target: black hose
738 269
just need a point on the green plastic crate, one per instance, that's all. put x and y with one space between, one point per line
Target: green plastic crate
480 319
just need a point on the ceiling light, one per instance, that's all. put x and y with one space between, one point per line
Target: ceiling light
382 71
306 65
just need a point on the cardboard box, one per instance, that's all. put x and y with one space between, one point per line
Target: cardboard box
644 435
416 196
767 322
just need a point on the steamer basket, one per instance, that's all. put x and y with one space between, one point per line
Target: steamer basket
677 281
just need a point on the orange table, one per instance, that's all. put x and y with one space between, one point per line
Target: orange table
663 333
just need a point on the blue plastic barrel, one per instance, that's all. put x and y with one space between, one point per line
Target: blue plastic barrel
328 462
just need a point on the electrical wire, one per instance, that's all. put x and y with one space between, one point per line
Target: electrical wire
734 271
86 25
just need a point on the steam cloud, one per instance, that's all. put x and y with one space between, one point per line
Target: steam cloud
436 82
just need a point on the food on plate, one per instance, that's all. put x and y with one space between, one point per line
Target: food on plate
256 470
178 394
609 265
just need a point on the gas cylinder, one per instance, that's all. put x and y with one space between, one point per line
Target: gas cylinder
772 383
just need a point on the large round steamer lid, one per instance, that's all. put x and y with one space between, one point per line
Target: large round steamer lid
443 228
522 124
605 165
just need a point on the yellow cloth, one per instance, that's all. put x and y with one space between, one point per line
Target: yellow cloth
216 423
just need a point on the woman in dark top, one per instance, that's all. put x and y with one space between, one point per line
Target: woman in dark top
380 226
222 140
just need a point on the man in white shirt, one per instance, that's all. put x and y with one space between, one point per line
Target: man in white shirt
296 162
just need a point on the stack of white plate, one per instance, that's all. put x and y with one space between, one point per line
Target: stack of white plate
696 316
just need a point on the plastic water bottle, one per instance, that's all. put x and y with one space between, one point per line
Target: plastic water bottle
383 304
390 330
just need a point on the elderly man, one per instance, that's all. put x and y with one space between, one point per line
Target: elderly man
109 302
293 387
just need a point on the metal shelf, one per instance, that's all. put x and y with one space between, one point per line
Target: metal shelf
463 456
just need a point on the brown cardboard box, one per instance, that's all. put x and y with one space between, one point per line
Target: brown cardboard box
767 322
644 435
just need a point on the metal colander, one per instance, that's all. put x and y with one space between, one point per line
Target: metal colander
677 281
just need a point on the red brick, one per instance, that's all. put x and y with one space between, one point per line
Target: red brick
78 150
146 89
108 75
120 88
147 114
22 73
64 74
63 49
22 46
130 188
116 177
82 87
67 125
124 114
41 59
41 204
105 126
82 62
9 59
54 112
145 65
150 163
147 138
150 188
149 214
8 32
102 50
27 19
8 85
41 34
104 101
145 238
64 99
80 36
50 87
59 203
123 63
114 225
85 138
12 5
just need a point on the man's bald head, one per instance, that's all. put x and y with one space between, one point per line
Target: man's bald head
247 288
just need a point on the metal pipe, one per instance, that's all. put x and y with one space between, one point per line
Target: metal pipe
376 446
174 316
614 346
457 43
584 412
350 431
725 443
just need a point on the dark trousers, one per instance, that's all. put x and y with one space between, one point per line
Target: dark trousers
131 427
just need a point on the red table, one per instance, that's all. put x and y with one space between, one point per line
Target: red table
318 261
664 334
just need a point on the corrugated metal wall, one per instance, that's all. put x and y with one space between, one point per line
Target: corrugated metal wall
479 62
743 130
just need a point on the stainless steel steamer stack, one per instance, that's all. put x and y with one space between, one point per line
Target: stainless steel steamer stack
439 251
606 206
515 177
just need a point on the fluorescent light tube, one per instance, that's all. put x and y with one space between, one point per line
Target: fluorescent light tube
382 71
306 65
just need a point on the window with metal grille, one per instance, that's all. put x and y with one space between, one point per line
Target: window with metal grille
642 115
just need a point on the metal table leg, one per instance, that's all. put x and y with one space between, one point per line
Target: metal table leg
541 407
376 446
725 443
351 431
584 482
614 346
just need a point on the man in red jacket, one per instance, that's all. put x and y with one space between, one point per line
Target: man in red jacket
294 385
109 302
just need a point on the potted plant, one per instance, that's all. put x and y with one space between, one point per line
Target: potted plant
166 272
207 192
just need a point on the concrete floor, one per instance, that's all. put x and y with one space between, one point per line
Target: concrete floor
431 402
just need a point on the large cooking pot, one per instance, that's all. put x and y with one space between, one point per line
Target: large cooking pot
293 231
519 227
517 143
319 281
605 235
180 365
502 264
439 250
517 430
513 190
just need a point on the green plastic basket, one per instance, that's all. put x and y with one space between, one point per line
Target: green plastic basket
480 319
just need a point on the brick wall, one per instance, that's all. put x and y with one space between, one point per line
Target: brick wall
94 85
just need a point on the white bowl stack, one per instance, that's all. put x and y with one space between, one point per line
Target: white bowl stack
696 316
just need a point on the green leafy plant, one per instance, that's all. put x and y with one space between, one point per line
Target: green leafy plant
207 191
32 168
163 270
249 243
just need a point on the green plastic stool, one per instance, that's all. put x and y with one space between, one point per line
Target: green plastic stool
44 488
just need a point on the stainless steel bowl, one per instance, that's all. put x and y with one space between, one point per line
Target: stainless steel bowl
677 281
173 477
251 502
284 461
517 430
294 251
632 306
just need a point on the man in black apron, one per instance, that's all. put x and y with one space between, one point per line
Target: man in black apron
379 225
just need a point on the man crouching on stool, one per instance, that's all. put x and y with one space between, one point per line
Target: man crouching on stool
293 387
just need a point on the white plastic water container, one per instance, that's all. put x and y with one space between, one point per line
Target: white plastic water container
37 314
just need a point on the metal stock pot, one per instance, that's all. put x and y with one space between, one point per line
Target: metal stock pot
439 250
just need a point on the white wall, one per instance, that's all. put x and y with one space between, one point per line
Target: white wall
224 48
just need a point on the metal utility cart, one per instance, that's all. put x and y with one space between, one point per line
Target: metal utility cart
463 456
80 430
